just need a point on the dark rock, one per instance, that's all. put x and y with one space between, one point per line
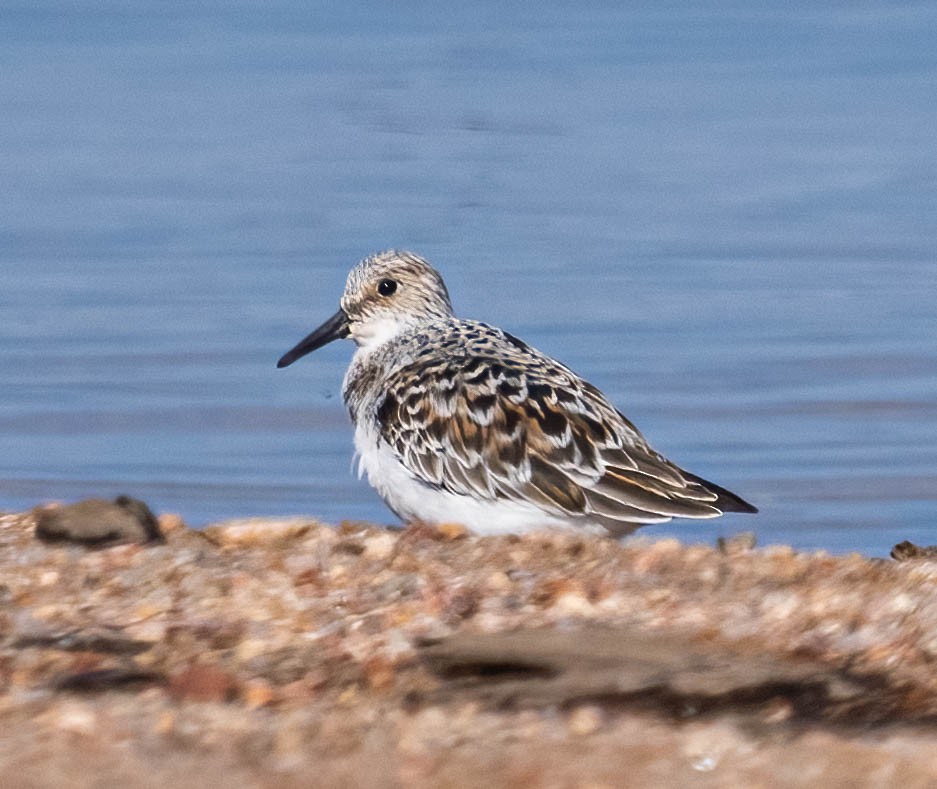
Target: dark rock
97 522
91 640
100 680
904 551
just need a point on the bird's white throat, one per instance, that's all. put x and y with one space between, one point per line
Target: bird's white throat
374 332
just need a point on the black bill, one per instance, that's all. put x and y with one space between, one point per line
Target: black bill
335 328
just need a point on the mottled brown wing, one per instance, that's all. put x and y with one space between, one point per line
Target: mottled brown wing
532 431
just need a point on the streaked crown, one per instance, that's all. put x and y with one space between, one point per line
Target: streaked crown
392 291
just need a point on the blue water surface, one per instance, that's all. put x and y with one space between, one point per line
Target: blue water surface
722 214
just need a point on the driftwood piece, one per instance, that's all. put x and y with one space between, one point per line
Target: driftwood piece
670 674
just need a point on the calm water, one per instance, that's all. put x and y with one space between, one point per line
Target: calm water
725 217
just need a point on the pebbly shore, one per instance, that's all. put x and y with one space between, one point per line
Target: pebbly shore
272 652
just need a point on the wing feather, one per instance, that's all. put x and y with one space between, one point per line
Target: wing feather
508 423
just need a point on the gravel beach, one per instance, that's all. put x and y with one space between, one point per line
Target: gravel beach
284 653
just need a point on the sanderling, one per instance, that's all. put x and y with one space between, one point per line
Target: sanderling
457 421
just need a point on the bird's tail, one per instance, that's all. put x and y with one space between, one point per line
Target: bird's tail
726 501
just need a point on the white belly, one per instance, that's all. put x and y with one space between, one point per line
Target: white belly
412 500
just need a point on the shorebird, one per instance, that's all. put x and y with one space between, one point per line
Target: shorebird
457 421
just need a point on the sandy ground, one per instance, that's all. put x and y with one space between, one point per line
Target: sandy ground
289 653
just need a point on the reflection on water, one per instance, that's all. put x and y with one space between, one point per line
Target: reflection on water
722 217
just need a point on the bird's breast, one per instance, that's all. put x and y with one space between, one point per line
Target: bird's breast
365 384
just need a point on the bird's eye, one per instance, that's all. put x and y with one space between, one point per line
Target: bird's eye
387 287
